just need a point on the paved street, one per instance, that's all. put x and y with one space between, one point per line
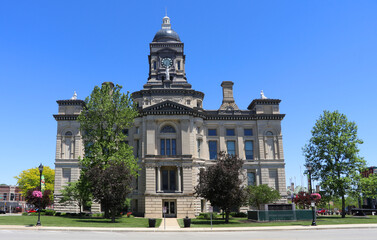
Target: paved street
329 234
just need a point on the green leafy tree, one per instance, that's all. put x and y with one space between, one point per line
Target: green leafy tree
30 179
78 192
369 186
222 184
106 115
333 153
110 186
262 194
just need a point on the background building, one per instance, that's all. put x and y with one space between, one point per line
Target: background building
11 198
174 137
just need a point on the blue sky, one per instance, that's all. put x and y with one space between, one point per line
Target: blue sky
313 55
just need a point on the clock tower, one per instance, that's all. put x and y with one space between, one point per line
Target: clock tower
166 60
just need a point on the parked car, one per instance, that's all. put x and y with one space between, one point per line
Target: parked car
321 211
31 211
2 212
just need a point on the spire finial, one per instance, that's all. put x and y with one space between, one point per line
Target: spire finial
166 11
262 96
74 97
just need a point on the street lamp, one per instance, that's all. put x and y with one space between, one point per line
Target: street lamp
40 186
309 168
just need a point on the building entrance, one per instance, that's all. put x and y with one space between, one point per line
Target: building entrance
171 207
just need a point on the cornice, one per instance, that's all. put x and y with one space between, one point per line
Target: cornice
72 117
71 102
263 102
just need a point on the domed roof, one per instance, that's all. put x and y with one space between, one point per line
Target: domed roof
166 34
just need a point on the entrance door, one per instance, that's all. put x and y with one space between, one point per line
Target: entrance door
170 208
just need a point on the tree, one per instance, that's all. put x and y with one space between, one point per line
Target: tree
110 186
78 191
369 186
223 184
30 179
333 153
106 115
33 199
262 194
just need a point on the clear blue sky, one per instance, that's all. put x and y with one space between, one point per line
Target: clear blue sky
313 55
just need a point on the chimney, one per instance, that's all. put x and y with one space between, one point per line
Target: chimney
228 100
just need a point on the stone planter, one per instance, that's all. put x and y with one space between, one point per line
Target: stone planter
152 222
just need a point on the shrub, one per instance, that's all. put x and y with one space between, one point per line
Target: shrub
58 214
49 212
207 215
25 214
238 214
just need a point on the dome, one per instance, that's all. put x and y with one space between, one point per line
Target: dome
166 34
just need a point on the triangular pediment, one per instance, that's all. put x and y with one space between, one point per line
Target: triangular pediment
167 106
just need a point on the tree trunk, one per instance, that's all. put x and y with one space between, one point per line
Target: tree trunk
343 207
227 216
113 215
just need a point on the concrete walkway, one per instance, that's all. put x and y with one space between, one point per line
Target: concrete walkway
171 224
174 228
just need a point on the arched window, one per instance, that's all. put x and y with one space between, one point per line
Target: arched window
68 134
269 133
167 129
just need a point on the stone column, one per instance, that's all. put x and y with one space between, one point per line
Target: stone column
179 179
158 179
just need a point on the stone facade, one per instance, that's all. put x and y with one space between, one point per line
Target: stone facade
174 137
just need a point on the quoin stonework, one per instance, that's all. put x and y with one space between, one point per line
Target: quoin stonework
174 137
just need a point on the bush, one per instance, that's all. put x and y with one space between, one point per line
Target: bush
207 215
49 212
25 214
238 214
58 214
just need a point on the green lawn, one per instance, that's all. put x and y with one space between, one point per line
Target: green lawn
243 222
64 221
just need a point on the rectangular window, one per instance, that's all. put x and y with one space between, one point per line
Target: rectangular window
11 196
4 197
231 147
162 152
154 65
198 142
173 147
169 180
250 179
137 148
165 179
168 147
230 132
212 132
248 132
137 130
212 145
66 175
249 150
179 65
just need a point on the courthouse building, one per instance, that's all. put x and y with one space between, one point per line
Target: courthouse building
174 137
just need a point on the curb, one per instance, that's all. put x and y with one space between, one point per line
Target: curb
233 229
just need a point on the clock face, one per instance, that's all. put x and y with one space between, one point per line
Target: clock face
166 62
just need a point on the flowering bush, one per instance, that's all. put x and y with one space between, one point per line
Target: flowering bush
37 194
129 214
315 197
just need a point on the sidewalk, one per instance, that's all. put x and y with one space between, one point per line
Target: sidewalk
173 227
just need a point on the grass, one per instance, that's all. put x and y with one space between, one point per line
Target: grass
243 222
69 221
